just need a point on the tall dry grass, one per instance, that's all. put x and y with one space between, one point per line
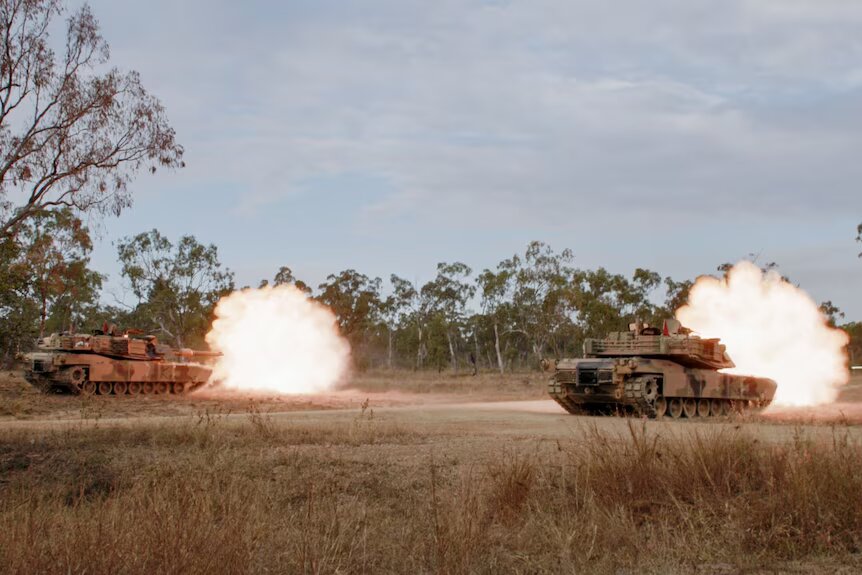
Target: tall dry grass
217 494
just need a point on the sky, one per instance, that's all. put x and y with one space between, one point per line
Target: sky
389 135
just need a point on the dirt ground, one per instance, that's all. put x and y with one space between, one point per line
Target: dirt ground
20 401
513 405
482 474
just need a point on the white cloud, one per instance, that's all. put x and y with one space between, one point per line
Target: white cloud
521 113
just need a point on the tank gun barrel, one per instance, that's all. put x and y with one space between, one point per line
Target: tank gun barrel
186 352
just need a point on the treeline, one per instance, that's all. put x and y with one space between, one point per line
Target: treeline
532 305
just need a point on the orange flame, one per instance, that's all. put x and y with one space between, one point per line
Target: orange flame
277 340
771 329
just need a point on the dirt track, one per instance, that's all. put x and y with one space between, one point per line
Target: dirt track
507 420
467 413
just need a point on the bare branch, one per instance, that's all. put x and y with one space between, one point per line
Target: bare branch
69 135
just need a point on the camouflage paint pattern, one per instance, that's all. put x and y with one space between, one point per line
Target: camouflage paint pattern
653 373
113 365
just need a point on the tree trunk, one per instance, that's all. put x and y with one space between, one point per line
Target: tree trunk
537 350
389 357
477 355
420 349
497 348
43 316
452 352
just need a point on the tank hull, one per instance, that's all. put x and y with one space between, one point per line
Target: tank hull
59 372
653 387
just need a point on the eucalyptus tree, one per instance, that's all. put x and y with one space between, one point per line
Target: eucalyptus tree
495 290
19 311
608 302
413 309
284 276
73 130
541 294
46 283
55 248
176 285
354 298
446 297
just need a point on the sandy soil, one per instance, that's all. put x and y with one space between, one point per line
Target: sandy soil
514 407
20 401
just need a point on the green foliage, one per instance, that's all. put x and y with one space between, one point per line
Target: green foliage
444 300
354 298
533 305
45 282
542 301
854 348
18 309
406 315
284 276
676 295
177 286
608 302
832 312
56 248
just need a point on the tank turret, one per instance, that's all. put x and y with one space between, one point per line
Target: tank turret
671 341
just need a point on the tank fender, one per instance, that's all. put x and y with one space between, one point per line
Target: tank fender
626 366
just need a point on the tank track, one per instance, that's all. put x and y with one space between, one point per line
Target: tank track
643 400
558 394
135 389
114 389
635 391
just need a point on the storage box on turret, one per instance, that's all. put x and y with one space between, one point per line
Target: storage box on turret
671 341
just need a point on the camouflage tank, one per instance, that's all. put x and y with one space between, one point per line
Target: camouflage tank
654 372
111 364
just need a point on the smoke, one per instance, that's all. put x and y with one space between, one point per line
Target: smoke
276 339
771 329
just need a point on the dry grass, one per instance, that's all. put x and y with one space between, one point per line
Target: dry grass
255 493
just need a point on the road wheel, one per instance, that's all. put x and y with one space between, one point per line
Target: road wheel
77 375
161 388
134 388
120 387
660 407
650 390
104 388
674 407
689 407
88 388
703 407
148 388
715 407
179 388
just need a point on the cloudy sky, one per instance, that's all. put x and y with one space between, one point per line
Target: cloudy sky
388 135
